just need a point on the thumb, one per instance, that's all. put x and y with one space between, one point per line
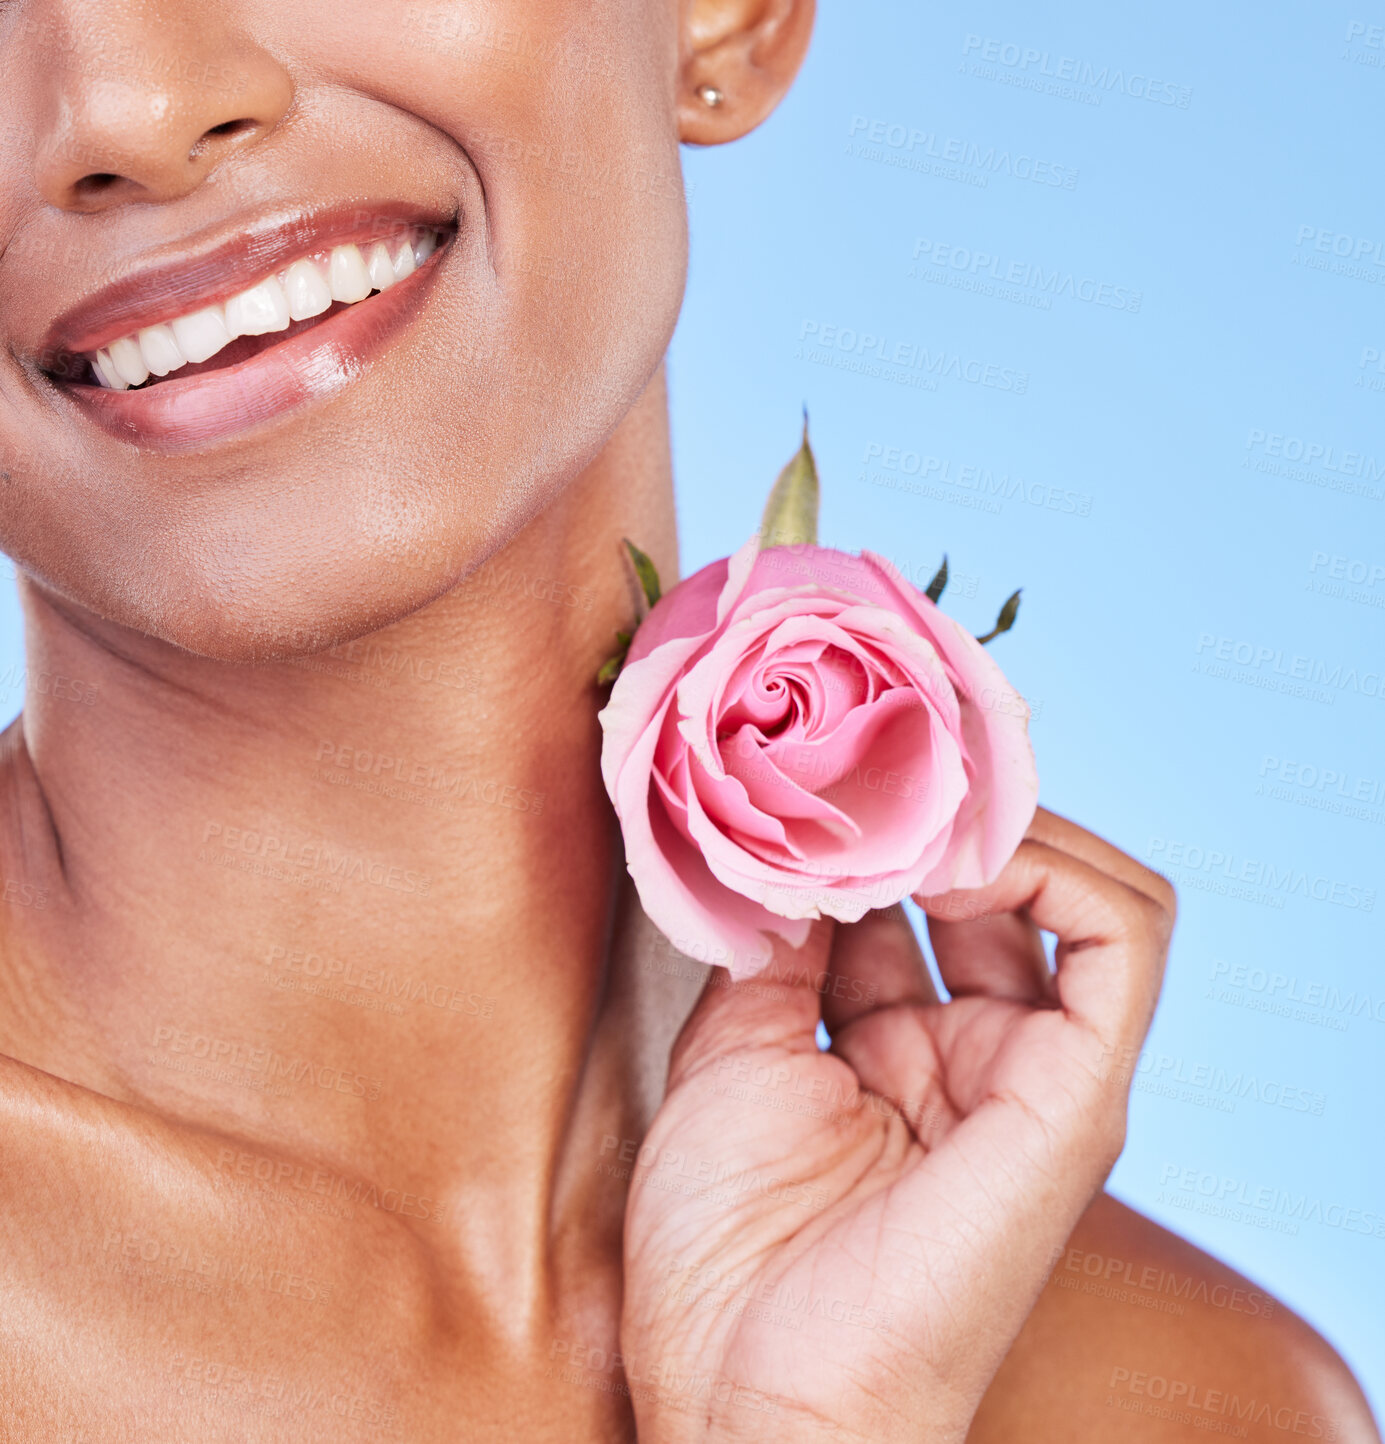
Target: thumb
777 1010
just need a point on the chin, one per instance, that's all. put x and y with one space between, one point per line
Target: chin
269 606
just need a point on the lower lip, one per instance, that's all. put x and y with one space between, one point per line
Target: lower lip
182 415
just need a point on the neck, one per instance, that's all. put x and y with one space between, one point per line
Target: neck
357 906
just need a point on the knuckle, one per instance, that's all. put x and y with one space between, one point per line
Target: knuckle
1154 885
1164 893
1113 1140
1105 1131
1108 1130
1155 921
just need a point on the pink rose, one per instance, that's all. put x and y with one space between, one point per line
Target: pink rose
799 732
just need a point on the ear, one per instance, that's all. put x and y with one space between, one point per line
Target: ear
745 51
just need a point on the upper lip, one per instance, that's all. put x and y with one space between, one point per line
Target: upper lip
190 275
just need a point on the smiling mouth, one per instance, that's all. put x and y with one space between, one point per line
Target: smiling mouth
298 296
191 353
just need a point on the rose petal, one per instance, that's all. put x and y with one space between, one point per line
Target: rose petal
1005 791
772 789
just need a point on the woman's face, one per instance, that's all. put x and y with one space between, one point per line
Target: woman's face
310 482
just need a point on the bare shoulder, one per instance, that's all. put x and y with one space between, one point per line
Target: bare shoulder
1139 1335
157 1283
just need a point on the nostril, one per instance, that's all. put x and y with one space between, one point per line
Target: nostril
95 184
226 128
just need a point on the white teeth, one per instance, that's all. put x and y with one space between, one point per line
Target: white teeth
128 361
256 312
106 372
161 353
380 267
347 275
308 294
295 294
202 334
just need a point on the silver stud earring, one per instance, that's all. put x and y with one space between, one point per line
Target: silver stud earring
710 96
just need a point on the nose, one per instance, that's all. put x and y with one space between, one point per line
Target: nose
142 100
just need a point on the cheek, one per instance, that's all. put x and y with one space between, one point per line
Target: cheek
563 111
575 233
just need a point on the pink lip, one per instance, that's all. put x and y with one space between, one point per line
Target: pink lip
180 415
182 282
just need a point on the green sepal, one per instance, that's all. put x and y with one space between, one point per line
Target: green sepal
1006 619
791 513
648 575
935 587
610 668
646 572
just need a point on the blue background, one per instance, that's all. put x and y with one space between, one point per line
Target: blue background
1125 488
1145 419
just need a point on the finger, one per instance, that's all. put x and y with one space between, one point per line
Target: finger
1003 956
777 1008
1005 1186
1061 833
1111 937
998 956
875 963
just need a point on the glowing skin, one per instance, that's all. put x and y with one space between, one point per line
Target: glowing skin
327 1026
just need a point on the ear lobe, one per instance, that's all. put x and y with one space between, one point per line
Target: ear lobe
739 58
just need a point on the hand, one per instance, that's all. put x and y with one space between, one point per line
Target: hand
844 1245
